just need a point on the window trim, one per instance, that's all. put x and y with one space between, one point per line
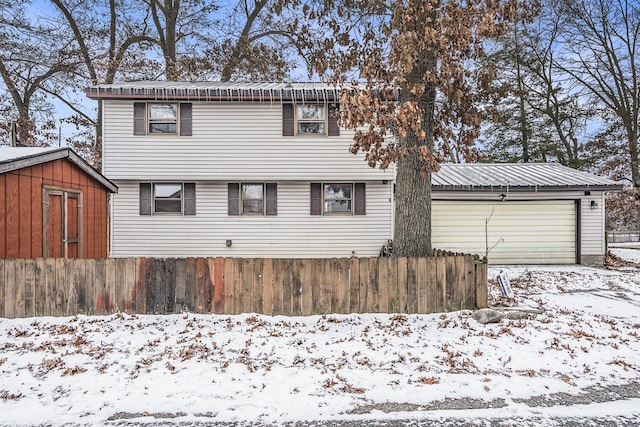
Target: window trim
154 198
351 199
174 121
263 199
290 120
323 121
235 205
358 199
147 199
142 119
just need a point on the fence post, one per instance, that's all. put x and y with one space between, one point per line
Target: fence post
481 283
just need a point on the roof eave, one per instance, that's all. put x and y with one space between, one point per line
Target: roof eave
527 188
82 164
234 95
49 156
32 159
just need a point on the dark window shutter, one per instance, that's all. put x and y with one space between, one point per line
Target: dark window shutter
139 118
288 121
332 122
316 198
360 199
185 119
189 198
233 199
145 198
272 198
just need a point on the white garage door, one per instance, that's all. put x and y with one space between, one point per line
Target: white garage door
533 232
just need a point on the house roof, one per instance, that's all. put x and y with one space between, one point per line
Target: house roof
517 177
13 158
216 91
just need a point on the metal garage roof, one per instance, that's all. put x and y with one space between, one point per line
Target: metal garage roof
517 177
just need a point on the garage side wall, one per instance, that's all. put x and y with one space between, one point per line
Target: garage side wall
593 228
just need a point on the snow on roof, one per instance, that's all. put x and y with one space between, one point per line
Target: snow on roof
217 91
525 176
14 153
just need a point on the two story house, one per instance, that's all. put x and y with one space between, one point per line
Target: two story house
263 170
237 170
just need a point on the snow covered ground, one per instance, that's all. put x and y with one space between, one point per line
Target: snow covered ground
205 368
628 253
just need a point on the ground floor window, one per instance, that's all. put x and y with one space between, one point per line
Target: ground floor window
252 198
338 198
158 198
167 198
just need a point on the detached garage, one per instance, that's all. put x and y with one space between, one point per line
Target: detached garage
524 213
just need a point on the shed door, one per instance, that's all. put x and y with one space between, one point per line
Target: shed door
523 232
54 247
62 225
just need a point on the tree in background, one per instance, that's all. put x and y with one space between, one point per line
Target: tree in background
608 154
118 40
601 52
32 57
254 40
542 117
423 87
181 28
110 42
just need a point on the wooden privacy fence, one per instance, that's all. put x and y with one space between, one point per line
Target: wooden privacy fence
64 287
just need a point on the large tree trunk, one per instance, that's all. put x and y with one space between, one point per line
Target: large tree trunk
412 233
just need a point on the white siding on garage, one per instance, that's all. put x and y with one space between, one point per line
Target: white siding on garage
230 141
292 233
592 235
523 232
591 220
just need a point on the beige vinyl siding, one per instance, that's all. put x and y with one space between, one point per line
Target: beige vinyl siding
591 220
592 224
292 233
230 141
524 232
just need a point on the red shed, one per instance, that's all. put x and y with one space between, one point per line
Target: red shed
53 204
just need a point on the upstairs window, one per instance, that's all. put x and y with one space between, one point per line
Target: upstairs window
162 118
310 119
